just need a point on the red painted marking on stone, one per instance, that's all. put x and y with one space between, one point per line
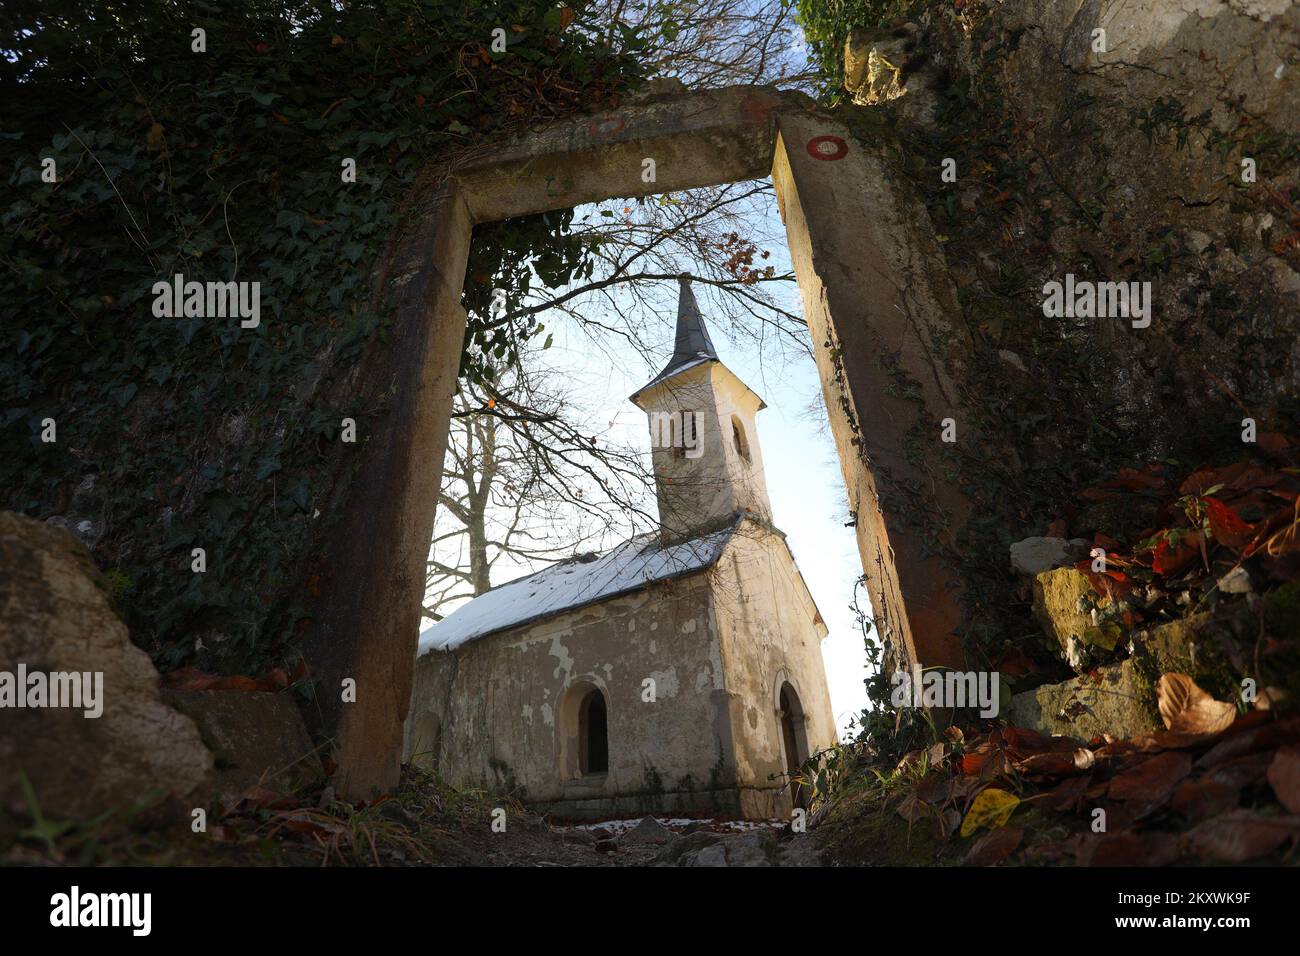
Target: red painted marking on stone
828 148
757 108
606 127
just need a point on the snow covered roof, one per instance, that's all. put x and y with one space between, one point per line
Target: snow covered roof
581 580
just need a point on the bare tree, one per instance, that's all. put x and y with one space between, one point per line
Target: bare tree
714 43
528 480
524 480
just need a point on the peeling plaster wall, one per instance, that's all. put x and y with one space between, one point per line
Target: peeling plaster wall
491 709
768 627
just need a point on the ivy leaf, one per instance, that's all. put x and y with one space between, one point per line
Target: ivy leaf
187 328
124 394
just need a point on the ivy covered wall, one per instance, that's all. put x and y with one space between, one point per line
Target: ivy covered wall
221 155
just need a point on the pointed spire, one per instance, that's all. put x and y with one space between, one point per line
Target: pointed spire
693 344
693 340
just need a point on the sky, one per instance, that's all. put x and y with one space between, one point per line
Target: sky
803 476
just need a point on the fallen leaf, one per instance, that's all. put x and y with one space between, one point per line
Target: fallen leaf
1187 709
993 848
992 809
1059 764
1228 527
1284 777
1260 732
1066 797
1243 771
1239 837
1201 798
1153 778
1169 559
1127 849
911 809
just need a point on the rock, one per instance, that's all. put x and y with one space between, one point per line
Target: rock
684 847
1236 581
886 64
606 846
658 89
1060 599
803 850
257 738
709 856
602 833
755 848
55 617
580 836
1036 555
649 830
1119 701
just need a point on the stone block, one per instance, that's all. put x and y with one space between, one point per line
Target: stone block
55 616
256 738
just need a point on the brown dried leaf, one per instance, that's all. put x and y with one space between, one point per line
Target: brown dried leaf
1153 778
1239 837
1284 777
1060 764
1129 849
935 754
911 809
993 848
1198 799
1186 709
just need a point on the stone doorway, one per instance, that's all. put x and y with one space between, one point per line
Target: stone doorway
794 743
593 735
878 305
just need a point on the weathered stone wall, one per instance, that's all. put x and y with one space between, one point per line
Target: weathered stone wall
490 713
770 632
1111 159
501 695
711 482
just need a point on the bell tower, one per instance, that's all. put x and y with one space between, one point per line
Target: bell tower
704 444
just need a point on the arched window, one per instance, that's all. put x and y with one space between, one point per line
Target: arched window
593 734
738 436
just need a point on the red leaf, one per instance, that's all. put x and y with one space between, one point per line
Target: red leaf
1168 560
1228 527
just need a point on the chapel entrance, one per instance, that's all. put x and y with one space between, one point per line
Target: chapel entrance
593 734
793 742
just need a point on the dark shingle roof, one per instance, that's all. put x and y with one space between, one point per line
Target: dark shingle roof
693 344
